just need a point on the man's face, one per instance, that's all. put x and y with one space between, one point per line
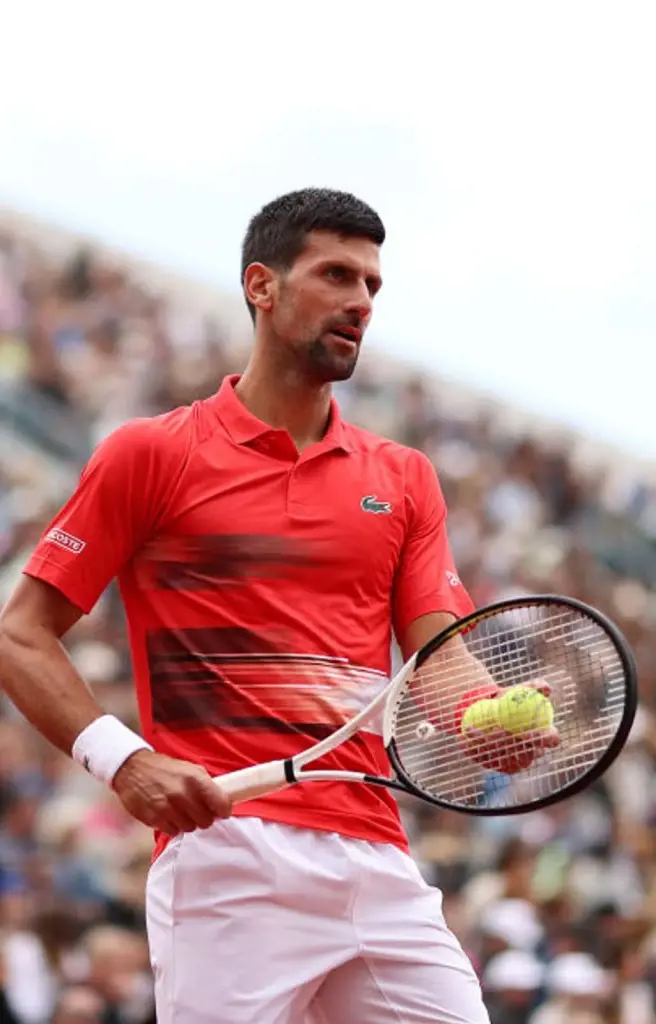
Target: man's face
323 304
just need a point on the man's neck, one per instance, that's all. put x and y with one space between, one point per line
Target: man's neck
286 403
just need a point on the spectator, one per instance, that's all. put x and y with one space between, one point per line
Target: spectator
118 972
578 992
512 983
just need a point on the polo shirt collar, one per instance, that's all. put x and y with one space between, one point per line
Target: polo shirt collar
243 426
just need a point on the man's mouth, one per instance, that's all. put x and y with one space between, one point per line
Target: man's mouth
353 335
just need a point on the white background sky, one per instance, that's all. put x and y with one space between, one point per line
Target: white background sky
509 146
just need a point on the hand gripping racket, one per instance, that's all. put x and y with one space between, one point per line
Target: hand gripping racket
509 763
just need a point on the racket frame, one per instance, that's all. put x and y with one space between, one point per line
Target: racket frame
260 779
571 789
273 776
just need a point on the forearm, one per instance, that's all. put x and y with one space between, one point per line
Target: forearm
40 679
459 679
468 668
452 677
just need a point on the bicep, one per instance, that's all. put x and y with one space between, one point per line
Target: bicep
35 605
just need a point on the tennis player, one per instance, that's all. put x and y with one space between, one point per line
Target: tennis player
266 551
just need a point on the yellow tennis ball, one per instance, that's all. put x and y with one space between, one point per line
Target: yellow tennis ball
482 714
522 709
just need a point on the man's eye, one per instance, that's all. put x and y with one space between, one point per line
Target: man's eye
337 273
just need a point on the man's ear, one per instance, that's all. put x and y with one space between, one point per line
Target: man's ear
260 284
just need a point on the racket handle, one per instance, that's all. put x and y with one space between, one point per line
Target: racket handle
248 783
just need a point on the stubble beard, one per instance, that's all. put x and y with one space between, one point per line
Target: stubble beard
326 367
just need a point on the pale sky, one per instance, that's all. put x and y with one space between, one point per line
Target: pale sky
509 147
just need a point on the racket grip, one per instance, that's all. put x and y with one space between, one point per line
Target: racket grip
258 780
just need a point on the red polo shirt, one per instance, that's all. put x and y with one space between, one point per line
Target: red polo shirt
260 587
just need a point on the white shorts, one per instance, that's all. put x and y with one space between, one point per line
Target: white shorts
252 922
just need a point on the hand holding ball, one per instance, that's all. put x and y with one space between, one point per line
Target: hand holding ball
483 714
505 733
524 709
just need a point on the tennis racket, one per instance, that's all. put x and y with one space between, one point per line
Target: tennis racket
556 645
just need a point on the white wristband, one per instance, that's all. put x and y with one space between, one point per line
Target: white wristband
105 745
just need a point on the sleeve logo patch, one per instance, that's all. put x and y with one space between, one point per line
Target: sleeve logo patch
66 541
453 579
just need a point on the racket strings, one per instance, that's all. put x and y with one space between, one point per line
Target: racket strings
503 663
541 644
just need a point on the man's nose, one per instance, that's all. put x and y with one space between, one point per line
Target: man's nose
360 302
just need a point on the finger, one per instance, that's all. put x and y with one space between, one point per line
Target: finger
478 735
541 685
472 734
181 821
491 739
167 826
547 738
212 798
476 741
507 738
197 809
180 813
482 744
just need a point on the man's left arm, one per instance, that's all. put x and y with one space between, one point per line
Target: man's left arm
429 596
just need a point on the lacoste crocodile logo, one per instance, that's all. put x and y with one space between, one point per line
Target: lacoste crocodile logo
370 503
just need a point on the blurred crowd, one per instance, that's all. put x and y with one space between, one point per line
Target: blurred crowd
558 908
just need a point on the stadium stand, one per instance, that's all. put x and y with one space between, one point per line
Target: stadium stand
558 908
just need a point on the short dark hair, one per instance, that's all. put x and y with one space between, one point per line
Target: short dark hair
276 236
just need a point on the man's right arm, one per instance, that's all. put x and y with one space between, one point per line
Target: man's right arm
36 672
41 680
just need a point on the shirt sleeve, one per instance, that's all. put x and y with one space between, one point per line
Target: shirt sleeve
426 579
115 507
